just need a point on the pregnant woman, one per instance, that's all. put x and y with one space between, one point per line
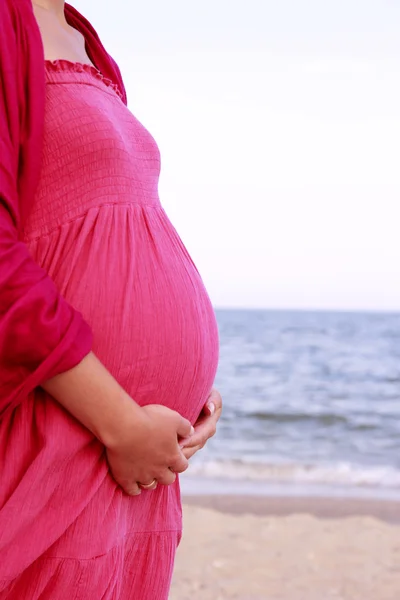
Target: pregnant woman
108 341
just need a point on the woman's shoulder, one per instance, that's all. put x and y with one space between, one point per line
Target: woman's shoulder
8 13
10 19
14 9
22 89
18 27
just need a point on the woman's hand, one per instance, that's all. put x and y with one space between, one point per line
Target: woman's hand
147 448
141 443
205 426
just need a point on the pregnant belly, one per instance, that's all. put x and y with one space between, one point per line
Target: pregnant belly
154 328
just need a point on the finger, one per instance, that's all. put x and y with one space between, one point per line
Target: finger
185 441
180 463
148 486
189 452
167 477
214 402
184 428
203 431
132 489
209 409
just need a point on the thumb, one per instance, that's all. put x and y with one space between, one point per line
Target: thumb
184 428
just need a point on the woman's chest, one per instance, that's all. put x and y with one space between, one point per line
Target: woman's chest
95 152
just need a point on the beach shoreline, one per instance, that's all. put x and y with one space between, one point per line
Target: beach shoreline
288 548
321 507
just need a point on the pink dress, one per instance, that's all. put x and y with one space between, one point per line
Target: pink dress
98 229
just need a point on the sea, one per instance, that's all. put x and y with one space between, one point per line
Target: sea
311 406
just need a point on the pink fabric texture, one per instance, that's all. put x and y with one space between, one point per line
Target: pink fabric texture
98 230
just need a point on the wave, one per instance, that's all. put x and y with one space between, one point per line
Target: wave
323 418
342 474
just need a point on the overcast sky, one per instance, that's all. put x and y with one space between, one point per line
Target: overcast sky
278 124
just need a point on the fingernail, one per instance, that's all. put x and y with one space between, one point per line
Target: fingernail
211 408
192 430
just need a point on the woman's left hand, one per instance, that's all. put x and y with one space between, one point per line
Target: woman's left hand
205 426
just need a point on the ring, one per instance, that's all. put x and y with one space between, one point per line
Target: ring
148 486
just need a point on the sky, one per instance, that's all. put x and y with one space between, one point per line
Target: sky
279 130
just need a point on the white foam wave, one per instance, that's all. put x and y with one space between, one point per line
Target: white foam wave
343 474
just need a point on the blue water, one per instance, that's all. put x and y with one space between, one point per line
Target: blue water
310 398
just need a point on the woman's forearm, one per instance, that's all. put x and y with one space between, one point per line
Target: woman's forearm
141 443
92 395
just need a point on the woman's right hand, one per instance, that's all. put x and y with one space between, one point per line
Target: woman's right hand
147 448
141 442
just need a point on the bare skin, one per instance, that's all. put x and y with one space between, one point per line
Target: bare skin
205 426
141 443
59 39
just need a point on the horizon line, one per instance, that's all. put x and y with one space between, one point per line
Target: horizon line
308 310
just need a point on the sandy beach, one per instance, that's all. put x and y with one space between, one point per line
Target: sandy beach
257 548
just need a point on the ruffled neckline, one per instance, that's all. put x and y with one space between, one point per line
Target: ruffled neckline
62 65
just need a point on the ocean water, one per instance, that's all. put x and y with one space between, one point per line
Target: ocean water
311 403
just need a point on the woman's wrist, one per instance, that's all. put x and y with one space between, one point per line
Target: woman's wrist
126 419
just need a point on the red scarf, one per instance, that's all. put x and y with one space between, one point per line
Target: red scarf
41 335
